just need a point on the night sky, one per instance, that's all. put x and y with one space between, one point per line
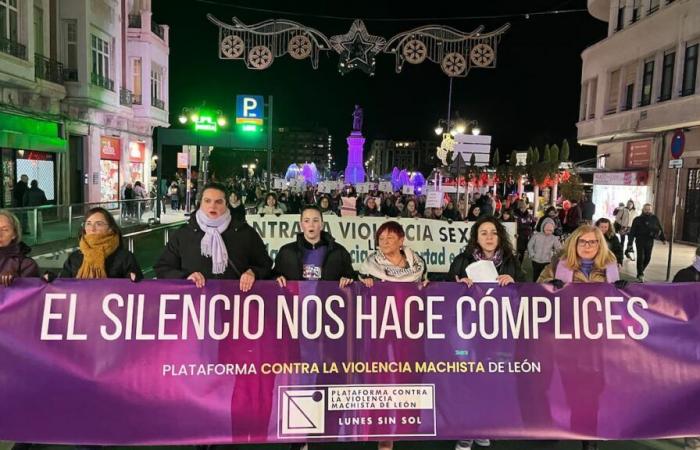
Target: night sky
532 97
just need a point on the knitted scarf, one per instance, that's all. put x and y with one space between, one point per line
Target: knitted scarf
378 266
212 244
96 248
496 259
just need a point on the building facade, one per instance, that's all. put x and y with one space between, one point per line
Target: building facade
639 86
412 155
73 76
301 145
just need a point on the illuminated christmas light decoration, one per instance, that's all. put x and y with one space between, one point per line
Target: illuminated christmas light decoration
455 51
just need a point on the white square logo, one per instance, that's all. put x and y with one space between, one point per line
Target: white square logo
303 411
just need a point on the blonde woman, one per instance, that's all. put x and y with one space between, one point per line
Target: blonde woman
586 259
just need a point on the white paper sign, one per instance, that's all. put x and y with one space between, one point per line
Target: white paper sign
385 186
278 183
407 189
434 200
482 272
362 188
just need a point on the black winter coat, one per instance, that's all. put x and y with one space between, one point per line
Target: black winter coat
646 227
509 266
34 197
183 255
687 274
14 260
615 246
119 264
336 265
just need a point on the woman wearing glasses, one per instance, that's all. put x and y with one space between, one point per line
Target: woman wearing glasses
586 259
101 253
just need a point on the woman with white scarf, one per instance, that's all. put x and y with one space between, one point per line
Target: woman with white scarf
392 262
215 245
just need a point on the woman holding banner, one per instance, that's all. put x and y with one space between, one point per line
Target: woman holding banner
488 241
101 253
214 245
585 259
393 262
14 262
314 255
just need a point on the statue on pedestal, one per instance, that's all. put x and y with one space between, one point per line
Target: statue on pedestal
357 119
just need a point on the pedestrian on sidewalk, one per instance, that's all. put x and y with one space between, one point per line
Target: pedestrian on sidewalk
587 210
645 229
628 214
35 196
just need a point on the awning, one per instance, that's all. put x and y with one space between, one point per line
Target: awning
29 133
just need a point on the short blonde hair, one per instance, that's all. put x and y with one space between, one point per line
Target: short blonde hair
602 258
14 221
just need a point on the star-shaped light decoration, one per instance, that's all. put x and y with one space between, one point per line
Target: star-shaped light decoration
357 49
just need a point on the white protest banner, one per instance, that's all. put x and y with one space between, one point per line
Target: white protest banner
323 188
362 188
385 186
348 208
278 183
407 189
437 241
434 200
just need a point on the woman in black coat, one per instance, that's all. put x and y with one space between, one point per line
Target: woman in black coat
488 240
215 245
298 261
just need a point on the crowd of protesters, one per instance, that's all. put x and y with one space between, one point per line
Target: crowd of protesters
217 243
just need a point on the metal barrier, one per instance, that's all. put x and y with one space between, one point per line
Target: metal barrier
129 237
56 222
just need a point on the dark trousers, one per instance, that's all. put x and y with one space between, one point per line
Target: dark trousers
522 247
537 269
644 248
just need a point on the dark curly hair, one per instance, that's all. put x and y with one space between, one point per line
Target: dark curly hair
504 242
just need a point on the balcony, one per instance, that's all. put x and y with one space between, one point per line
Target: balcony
48 69
13 48
134 20
70 74
125 97
157 103
678 112
157 30
101 81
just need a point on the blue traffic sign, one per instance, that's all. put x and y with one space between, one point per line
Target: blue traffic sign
678 144
250 109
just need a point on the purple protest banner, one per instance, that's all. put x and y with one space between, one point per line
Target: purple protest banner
162 362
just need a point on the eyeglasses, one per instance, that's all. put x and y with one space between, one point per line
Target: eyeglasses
585 243
98 224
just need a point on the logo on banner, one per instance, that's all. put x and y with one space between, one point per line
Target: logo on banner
303 412
323 411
